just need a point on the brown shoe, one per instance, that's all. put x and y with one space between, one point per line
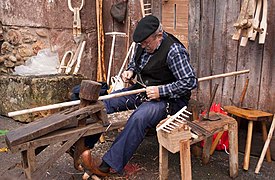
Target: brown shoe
91 163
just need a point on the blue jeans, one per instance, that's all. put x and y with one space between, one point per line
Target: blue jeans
147 115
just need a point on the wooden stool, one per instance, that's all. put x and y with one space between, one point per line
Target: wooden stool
224 124
251 115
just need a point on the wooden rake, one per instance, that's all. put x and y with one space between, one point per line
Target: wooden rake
174 121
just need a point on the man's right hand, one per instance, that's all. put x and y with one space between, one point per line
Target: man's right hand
127 75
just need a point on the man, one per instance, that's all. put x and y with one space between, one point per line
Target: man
161 63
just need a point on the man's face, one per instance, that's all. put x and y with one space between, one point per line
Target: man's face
151 43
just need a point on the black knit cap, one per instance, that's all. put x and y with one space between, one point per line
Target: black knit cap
145 27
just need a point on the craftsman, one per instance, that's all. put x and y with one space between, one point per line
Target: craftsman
161 63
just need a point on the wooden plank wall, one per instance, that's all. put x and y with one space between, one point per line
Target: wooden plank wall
213 51
121 43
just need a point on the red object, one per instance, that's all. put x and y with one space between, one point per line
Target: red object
223 142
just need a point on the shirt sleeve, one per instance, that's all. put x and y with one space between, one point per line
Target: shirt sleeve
179 63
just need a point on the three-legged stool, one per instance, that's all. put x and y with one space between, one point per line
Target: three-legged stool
251 115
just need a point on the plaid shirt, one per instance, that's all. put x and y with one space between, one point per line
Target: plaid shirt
179 63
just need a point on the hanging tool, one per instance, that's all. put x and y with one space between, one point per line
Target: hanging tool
256 21
76 21
63 63
263 24
116 80
212 116
113 34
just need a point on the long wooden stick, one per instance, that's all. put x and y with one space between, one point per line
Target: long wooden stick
266 145
72 103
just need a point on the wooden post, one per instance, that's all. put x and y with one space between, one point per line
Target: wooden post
233 149
248 145
185 160
29 163
89 93
206 150
163 163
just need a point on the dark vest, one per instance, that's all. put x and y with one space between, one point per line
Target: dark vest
156 71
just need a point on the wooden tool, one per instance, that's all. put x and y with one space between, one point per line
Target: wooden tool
72 103
113 34
256 21
240 22
76 21
266 145
263 24
101 74
173 121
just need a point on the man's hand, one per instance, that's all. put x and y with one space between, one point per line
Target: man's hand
127 75
152 92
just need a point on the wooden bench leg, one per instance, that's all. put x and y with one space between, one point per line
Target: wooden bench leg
206 149
248 145
185 160
28 162
163 163
233 149
215 143
264 131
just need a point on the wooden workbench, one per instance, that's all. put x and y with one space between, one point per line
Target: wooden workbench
226 123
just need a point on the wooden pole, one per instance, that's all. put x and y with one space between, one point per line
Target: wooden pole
72 103
266 145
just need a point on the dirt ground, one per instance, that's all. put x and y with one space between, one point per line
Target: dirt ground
143 165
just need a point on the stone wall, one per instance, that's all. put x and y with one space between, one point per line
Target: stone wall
19 44
25 92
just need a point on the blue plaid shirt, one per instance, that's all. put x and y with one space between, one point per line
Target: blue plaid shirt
179 64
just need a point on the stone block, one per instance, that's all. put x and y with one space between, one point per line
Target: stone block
25 92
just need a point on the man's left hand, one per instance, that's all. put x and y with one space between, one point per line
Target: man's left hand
152 92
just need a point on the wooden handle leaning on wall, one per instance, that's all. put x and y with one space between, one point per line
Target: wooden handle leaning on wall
72 103
266 145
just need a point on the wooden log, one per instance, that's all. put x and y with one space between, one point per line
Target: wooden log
266 145
72 103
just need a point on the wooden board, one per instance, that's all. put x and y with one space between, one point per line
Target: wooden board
267 86
66 134
194 35
175 19
206 49
48 124
219 44
230 50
